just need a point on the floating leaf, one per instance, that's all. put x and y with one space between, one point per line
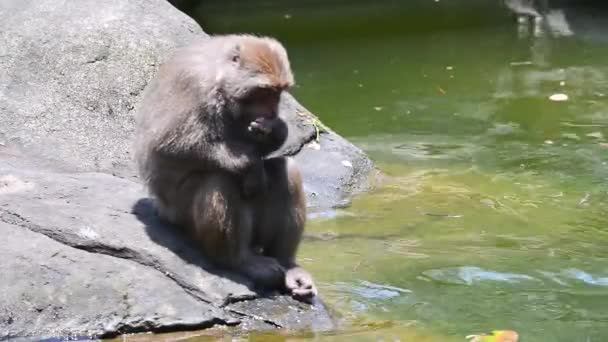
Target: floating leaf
496 336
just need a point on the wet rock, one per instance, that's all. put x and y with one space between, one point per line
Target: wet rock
84 253
331 169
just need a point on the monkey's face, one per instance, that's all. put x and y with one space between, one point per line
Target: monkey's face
260 103
255 76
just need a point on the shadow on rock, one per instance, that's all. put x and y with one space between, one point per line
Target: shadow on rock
175 239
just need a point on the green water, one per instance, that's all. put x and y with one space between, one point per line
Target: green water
493 211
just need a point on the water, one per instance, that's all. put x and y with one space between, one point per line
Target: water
493 212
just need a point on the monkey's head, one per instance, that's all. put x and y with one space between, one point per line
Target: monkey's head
258 72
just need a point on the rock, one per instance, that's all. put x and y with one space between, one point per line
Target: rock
342 168
327 181
99 293
71 74
67 101
84 253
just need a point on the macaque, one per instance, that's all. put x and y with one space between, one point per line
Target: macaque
204 130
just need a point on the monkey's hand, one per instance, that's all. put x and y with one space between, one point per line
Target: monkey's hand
300 284
254 180
260 128
268 134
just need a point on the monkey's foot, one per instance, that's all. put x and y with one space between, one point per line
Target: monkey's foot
299 282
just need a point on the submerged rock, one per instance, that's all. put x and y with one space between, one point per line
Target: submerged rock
83 251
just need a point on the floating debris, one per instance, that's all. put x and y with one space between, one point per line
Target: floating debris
449 67
597 135
573 124
549 142
559 97
443 215
585 199
560 194
495 336
521 63
572 136
378 108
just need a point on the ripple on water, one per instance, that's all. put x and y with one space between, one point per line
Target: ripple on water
563 277
468 275
369 290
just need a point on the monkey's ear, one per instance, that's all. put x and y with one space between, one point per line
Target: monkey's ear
234 55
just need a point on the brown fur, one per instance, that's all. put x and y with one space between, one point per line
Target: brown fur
201 144
265 61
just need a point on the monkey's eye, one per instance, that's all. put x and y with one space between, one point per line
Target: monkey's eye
265 95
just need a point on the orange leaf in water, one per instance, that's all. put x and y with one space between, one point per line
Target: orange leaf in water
496 336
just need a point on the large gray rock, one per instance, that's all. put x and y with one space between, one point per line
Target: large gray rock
83 251
71 75
84 254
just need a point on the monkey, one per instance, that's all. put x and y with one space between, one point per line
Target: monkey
205 128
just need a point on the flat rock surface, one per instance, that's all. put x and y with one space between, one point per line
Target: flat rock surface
83 252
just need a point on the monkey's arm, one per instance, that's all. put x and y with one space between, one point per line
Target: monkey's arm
236 158
240 161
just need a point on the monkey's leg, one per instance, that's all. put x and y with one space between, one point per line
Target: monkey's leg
281 217
222 223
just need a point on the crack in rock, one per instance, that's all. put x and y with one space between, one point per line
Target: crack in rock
133 256
112 251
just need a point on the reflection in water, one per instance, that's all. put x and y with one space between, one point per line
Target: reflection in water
468 275
370 290
586 277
